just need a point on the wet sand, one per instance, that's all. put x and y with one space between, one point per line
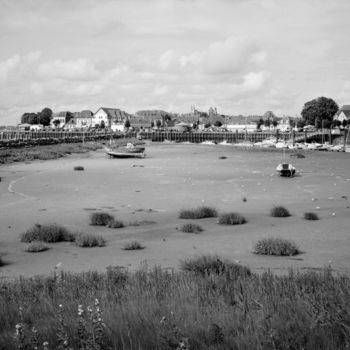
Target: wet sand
170 178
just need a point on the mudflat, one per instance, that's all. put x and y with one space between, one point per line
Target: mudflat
153 190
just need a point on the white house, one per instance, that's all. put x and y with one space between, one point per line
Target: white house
109 116
84 119
60 119
343 113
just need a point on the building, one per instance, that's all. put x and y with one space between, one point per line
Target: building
343 114
60 119
105 117
83 119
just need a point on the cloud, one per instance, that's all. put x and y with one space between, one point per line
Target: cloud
79 69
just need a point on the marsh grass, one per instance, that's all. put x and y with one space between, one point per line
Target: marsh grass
231 219
279 212
142 222
311 216
155 309
115 224
276 246
212 264
78 168
134 245
36 247
199 213
89 240
191 228
100 219
49 233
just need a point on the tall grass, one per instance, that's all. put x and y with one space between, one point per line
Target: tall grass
49 233
231 219
198 213
101 219
276 246
157 310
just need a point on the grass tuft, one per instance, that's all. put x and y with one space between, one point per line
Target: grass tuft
199 213
134 245
100 219
78 168
276 246
89 240
311 216
231 219
115 224
141 223
49 233
191 228
211 264
36 247
279 212
1 261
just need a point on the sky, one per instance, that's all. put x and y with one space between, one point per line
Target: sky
240 56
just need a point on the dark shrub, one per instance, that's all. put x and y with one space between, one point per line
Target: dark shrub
209 264
244 199
100 219
215 334
115 224
275 246
199 213
134 245
89 240
141 223
311 216
231 219
1 261
279 212
191 228
47 233
78 168
36 247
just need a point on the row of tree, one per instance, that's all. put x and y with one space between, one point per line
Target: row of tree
44 117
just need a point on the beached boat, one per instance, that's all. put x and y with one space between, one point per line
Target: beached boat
285 169
128 151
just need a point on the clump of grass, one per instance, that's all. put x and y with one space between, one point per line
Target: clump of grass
141 223
276 246
199 213
100 219
191 228
231 219
115 224
78 168
311 216
1 261
49 233
279 212
36 247
244 199
212 264
134 245
89 240
222 157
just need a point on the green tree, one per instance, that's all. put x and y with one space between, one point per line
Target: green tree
319 109
275 123
56 122
267 123
127 123
259 123
29 118
159 123
218 123
300 123
45 116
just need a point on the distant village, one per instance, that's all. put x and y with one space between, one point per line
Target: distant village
118 120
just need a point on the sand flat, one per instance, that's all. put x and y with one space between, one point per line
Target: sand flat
172 177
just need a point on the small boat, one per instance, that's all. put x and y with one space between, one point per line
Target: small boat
285 169
128 151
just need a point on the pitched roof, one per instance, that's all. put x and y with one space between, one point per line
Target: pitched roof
345 108
346 112
115 113
85 114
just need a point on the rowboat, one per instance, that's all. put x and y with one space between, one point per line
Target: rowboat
285 169
128 151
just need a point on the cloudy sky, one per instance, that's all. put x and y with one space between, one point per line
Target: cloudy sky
241 56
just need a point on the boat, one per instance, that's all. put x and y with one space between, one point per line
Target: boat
285 169
128 151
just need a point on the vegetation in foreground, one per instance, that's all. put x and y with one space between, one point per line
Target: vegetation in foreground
49 233
134 245
199 213
78 168
89 240
36 247
155 309
279 212
276 246
47 152
311 216
101 219
191 228
231 219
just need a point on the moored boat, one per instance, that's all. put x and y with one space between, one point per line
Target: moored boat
286 169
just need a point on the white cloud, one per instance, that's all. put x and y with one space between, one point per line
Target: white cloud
80 69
